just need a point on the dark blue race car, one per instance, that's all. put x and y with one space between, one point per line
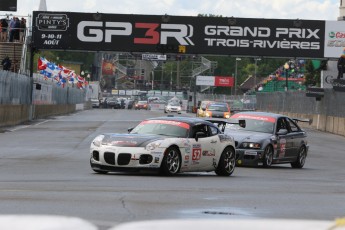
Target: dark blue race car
267 139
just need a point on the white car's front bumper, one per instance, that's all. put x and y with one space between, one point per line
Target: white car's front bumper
125 158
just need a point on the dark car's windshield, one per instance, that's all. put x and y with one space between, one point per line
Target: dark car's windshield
162 127
253 123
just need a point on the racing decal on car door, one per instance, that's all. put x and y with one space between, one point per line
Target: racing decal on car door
210 153
185 162
187 145
282 147
196 154
224 138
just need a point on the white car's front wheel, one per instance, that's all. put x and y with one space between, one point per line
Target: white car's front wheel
171 163
227 161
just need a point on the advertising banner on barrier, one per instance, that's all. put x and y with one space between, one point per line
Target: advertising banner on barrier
205 80
225 81
166 34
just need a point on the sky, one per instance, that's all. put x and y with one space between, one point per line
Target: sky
280 9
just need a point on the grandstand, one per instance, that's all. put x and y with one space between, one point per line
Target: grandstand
277 81
279 84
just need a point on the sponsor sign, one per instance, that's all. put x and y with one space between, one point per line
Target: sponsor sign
254 117
225 81
154 57
197 35
8 5
205 80
334 38
108 68
327 78
175 123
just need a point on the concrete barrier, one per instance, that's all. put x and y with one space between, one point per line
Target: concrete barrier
13 114
17 114
320 122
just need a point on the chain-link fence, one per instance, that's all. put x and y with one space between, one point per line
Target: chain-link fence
331 104
236 102
15 89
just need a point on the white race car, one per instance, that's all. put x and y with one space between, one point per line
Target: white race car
173 107
167 144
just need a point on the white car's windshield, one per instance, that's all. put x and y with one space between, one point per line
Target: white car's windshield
174 104
162 127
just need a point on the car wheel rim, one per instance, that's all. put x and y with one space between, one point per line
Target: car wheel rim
173 161
229 161
269 156
302 156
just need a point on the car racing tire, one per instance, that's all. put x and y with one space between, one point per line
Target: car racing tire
227 161
171 162
268 156
302 155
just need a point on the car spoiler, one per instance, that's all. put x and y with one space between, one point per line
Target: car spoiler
223 121
310 121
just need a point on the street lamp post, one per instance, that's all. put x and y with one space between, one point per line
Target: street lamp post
153 79
237 59
161 86
256 65
286 67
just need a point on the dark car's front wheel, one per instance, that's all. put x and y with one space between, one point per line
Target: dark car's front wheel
268 156
226 165
171 163
302 155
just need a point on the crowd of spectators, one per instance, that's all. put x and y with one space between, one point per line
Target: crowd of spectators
12 30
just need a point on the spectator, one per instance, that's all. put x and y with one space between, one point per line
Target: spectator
22 30
341 65
3 30
16 30
6 63
11 29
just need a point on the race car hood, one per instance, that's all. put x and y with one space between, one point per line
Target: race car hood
129 140
173 107
241 136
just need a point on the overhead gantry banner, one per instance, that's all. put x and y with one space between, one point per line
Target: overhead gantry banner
173 34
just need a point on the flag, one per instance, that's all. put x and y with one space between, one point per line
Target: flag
42 63
80 79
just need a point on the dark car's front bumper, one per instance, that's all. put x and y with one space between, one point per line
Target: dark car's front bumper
249 157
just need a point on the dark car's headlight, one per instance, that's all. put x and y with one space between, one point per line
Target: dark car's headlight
250 145
98 141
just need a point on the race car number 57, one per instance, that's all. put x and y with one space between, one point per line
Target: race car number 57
196 154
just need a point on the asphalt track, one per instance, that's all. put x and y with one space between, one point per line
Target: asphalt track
44 169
